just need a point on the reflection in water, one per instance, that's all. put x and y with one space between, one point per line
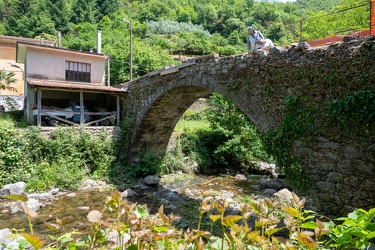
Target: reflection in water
182 198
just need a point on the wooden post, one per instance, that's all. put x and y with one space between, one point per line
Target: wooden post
81 110
39 108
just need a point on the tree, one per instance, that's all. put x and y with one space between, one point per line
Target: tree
15 11
155 10
107 7
187 14
38 20
60 13
239 139
84 11
6 79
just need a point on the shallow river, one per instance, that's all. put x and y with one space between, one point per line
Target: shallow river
181 198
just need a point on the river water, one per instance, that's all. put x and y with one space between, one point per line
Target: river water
181 198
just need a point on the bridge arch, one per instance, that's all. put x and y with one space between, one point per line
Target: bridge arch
165 96
341 171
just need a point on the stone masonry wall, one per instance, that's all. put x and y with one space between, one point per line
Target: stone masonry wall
341 174
342 171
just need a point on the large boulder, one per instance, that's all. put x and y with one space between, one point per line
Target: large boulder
15 188
261 168
152 180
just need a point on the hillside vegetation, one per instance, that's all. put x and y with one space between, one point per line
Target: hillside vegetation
161 28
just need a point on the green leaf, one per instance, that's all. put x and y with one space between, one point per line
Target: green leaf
214 217
140 212
309 225
17 197
160 229
53 227
35 241
132 247
371 235
271 231
230 220
290 210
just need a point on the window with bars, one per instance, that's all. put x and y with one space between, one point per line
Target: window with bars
76 71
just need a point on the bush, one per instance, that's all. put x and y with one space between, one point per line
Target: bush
13 164
61 160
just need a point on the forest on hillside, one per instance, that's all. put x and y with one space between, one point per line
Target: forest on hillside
188 27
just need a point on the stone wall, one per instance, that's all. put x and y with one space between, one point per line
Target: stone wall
341 173
112 131
341 170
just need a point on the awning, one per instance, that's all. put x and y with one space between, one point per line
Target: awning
72 86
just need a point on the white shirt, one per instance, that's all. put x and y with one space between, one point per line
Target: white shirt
267 43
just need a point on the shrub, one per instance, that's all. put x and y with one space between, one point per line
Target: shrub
60 160
13 164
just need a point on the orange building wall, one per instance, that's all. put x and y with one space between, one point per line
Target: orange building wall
7 57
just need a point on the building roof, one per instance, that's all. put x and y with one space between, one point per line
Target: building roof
15 39
22 47
69 86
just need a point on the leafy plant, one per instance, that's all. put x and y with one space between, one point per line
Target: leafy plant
6 79
296 125
240 140
357 107
136 228
356 231
61 160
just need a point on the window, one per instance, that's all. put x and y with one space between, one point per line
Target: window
76 71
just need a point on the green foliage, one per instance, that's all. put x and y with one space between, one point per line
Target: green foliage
85 11
139 229
194 115
61 160
172 27
6 79
229 140
13 165
279 143
62 173
321 24
48 16
148 164
17 117
241 141
174 159
355 108
356 231
196 145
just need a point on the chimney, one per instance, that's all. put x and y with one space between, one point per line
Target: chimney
41 39
99 42
59 39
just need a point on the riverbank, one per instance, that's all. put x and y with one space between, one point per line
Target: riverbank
180 194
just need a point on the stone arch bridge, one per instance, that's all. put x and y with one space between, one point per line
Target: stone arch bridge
342 173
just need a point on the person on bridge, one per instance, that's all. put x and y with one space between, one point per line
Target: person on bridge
264 44
253 34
